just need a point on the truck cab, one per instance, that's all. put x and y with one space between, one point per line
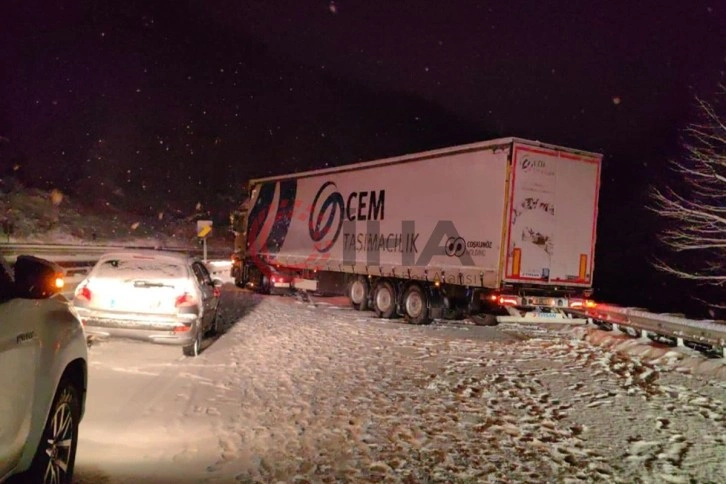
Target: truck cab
238 222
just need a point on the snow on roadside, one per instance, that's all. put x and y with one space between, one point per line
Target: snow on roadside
51 217
316 394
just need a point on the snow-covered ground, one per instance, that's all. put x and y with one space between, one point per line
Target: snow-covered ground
315 392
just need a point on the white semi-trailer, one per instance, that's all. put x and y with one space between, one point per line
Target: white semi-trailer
502 230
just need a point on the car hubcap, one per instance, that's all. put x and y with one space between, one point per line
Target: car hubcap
60 442
383 299
414 304
357 292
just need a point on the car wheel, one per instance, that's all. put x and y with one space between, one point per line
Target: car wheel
56 454
195 348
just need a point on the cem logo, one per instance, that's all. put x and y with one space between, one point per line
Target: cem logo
329 207
529 164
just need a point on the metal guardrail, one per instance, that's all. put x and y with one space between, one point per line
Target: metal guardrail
707 336
66 254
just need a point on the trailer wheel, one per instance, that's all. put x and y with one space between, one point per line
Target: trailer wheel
358 294
415 305
484 320
384 300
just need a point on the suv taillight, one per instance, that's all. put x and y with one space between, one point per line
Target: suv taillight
83 293
185 299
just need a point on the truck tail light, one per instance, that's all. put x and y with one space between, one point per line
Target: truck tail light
508 300
583 303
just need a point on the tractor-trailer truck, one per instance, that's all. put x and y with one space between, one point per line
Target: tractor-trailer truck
501 230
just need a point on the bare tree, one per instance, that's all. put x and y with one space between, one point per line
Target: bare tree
695 211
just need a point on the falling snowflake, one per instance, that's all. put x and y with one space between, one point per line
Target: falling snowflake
134 225
199 205
332 7
616 100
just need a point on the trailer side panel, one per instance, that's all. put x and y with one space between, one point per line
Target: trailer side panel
434 216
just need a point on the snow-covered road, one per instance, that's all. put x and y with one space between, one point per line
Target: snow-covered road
296 392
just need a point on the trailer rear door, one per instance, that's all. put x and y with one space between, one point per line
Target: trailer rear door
552 216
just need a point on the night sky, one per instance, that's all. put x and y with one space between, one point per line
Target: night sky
161 105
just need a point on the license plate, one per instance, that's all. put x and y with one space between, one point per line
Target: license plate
543 301
545 315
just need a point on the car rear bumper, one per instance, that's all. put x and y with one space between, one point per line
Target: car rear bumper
169 338
175 331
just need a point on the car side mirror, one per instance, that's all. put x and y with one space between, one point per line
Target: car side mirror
37 278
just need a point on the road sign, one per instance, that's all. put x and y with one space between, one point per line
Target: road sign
204 227
205 231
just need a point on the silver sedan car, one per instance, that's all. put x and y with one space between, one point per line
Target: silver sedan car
158 296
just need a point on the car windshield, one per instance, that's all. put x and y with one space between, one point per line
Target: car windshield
140 267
